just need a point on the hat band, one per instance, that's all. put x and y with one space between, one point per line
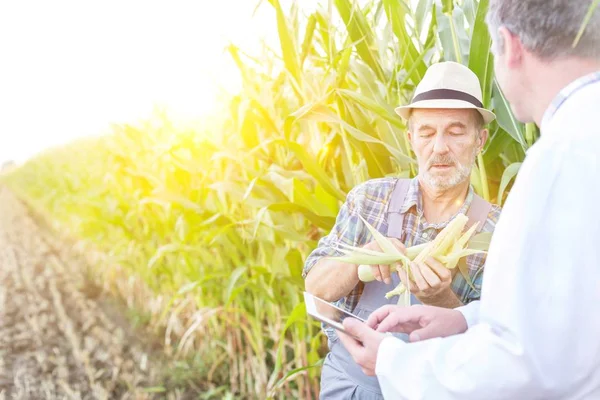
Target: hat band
447 94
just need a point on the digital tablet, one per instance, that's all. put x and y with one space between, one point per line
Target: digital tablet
327 313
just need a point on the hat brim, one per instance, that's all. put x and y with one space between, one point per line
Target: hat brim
404 111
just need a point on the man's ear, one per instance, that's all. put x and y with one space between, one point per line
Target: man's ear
483 137
410 142
513 48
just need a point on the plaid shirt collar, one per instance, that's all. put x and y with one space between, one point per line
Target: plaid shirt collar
414 200
567 92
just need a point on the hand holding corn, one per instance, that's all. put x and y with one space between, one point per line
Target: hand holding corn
381 272
431 281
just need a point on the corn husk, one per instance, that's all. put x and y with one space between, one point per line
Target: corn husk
449 247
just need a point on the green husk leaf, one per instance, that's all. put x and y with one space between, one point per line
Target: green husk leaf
386 245
413 251
464 270
480 241
452 259
397 291
346 249
462 241
359 258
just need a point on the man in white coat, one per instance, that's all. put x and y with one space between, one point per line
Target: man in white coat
535 333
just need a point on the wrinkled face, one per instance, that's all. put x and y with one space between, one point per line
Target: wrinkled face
446 143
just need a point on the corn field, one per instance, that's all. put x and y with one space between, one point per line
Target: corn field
203 237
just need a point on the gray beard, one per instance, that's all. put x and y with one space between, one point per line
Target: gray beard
463 172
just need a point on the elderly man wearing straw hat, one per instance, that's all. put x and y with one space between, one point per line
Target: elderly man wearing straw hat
446 122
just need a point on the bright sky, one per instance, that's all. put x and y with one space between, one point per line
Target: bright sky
70 68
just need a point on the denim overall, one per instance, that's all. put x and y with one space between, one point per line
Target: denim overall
341 377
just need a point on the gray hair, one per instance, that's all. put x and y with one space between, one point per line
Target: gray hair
547 28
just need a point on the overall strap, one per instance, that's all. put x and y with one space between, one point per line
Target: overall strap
395 217
478 212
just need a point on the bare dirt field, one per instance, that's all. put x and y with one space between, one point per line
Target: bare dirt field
59 339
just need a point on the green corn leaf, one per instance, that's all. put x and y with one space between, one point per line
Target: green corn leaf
298 314
464 271
398 290
290 375
424 8
356 249
343 66
367 259
481 62
396 13
321 221
586 20
505 116
382 111
509 173
382 241
308 37
317 112
233 280
464 239
480 241
452 259
498 143
288 48
363 252
312 167
413 251
361 33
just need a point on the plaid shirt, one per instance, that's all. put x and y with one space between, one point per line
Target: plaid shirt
370 200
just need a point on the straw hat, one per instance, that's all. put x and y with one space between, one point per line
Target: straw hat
448 85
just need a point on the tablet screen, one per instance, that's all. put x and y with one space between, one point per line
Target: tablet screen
326 312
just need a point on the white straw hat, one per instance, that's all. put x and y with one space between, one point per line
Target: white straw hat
448 85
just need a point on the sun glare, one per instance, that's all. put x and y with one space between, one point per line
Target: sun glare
71 68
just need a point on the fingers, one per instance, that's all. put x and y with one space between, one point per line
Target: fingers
358 352
423 333
442 272
353 346
399 319
379 315
420 281
407 282
440 323
429 276
385 273
382 273
357 328
376 272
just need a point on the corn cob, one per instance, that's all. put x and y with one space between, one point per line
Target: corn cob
448 247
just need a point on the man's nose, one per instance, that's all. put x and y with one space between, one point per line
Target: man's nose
440 145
